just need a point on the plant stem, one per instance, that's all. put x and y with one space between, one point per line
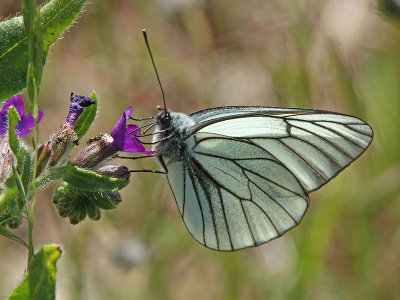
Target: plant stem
33 27
30 215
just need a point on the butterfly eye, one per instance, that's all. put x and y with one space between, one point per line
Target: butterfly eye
165 119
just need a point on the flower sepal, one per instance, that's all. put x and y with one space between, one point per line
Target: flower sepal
87 117
10 204
77 204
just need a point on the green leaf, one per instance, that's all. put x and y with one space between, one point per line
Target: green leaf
34 31
8 234
87 117
39 282
56 17
90 181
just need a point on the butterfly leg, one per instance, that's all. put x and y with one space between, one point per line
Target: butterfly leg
162 163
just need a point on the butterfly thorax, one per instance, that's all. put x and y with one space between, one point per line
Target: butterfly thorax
170 142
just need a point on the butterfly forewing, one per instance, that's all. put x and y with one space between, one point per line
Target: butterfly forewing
247 171
313 145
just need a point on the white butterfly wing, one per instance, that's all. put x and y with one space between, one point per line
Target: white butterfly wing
246 177
207 115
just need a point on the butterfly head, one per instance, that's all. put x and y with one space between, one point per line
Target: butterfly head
163 119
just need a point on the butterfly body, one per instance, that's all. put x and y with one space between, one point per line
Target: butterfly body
170 141
241 175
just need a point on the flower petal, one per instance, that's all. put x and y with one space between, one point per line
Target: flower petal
3 124
78 103
128 113
27 123
133 131
131 144
118 132
125 135
15 101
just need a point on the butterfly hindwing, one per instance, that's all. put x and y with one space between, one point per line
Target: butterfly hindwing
234 202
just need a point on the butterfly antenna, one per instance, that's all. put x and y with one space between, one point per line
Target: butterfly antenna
154 66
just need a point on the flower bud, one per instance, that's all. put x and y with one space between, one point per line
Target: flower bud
115 197
61 144
76 204
98 151
6 161
44 153
114 171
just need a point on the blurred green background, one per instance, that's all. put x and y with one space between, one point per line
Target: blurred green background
339 55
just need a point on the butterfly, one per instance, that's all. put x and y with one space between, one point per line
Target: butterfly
241 175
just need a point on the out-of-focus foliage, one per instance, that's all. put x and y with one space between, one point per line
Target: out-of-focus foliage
56 17
335 55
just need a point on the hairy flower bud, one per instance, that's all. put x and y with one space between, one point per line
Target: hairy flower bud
61 144
6 161
114 171
98 151
77 204
115 197
43 157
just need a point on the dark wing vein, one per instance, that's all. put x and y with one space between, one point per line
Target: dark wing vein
269 180
192 177
226 220
299 156
277 160
332 159
272 198
326 140
184 190
245 215
267 216
208 197
338 133
358 131
198 165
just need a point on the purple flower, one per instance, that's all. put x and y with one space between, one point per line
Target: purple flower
25 124
124 135
106 146
78 103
